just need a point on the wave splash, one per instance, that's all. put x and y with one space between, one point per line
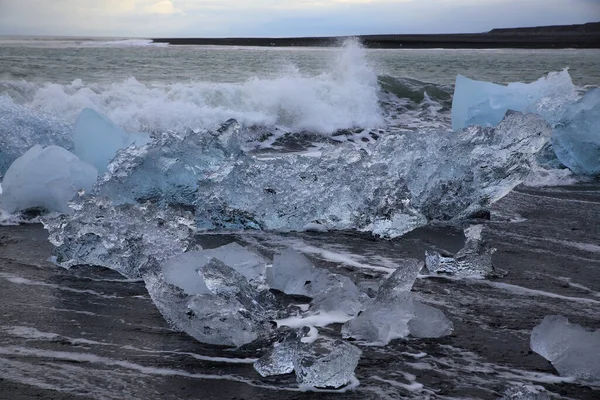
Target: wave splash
344 97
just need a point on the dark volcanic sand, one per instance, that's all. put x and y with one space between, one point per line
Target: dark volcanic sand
88 333
548 37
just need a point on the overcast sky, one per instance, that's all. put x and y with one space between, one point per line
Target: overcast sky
213 18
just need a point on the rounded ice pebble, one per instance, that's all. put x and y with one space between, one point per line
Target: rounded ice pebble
45 178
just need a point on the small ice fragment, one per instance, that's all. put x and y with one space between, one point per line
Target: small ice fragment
388 316
326 363
572 349
46 178
524 392
474 259
279 360
97 139
429 322
293 273
343 296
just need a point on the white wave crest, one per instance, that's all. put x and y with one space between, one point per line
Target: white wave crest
344 97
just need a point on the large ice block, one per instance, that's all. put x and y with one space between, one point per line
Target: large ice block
576 137
572 349
123 238
485 103
46 178
97 139
21 128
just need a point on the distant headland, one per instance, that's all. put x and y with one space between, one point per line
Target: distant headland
542 37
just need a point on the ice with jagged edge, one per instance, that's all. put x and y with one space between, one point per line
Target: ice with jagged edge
45 178
216 305
576 136
390 188
22 128
474 259
572 349
123 238
171 170
395 314
320 363
485 103
97 139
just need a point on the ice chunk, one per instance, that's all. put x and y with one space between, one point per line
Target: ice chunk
122 238
251 265
97 139
326 363
167 172
233 313
429 322
485 103
524 392
182 271
22 128
46 178
571 348
388 316
279 360
576 137
474 259
342 296
292 273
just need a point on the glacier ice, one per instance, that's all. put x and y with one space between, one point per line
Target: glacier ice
326 363
46 178
123 238
323 363
572 349
485 103
97 139
21 129
169 171
232 313
576 136
395 314
474 259
248 263
182 271
400 183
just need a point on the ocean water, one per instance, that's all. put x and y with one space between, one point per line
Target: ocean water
88 332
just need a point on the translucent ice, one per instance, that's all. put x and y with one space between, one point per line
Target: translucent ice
397 185
571 348
524 393
248 263
97 139
429 322
123 238
232 313
485 103
341 297
182 271
46 178
293 273
21 128
279 360
326 363
474 259
576 137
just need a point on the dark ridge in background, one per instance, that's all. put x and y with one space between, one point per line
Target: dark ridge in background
545 37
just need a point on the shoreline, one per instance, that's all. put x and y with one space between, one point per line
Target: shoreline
583 36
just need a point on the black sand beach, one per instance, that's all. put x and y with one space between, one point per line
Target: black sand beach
89 333
584 36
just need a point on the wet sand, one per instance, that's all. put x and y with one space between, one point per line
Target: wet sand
548 37
89 333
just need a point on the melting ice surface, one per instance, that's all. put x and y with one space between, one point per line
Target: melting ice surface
571 348
46 178
97 139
